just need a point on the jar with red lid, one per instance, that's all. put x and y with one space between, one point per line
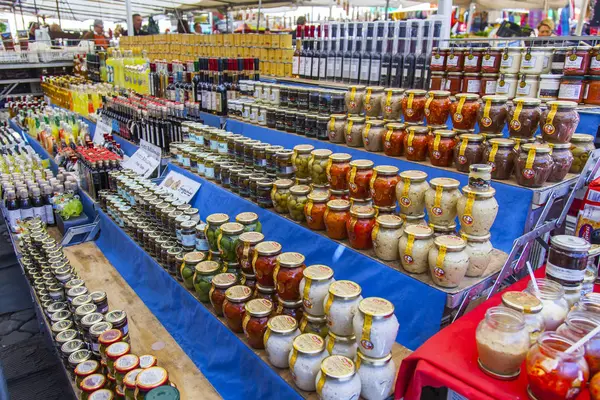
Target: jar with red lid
554 374
437 107
437 81
577 61
500 156
314 210
336 215
337 171
393 139
291 308
383 185
266 293
358 178
489 83
441 147
464 111
492 115
454 81
413 105
264 262
490 60
592 91
245 250
415 143
468 151
559 121
524 117
255 321
571 88
472 60
288 274
471 82
562 159
534 165
455 60
234 306
438 59
360 226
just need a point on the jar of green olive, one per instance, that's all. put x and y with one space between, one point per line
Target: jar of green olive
214 222
244 182
129 384
227 240
280 194
188 267
263 193
297 200
270 158
317 166
239 148
178 264
226 175
234 180
285 163
300 159
250 221
114 352
203 276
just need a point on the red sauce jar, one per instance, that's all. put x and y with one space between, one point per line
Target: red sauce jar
469 151
471 83
455 60
413 105
255 321
415 143
314 210
220 284
336 215
264 262
393 139
572 88
383 185
288 274
245 250
337 170
464 111
454 81
490 60
358 178
592 92
438 59
290 308
595 61
488 84
265 293
234 306
437 107
437 81
577 61
472 60
360 226
441 147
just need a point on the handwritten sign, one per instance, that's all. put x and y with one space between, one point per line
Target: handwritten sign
141 163
180 186
151 149
101 129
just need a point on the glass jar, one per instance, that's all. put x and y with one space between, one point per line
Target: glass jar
264 262
291 308
359 177
552 296
372 101
280 194
500 156
297 200
92 383
455 60
239 144
559 121
437 81
341 304
341 345
308 351
271 117
464 111
354 99
441 199
259 156
234 306
314 210
437 107
245 250
257 312
372 135
577 325
477 210
383 185
549 87
582 146
471 83
323 127
393 139
338 103
413 105
314 288
219 285
317 166
534 165
377 376
415 143
572 88
214 222
438 59
562 159
288 274
310 125
528 85
448 261
472 60
279 335
489 83
337 171
280 119
300 160
337 378
302 99
149 379
313 100
490 60
507 85
227 240
354 129
411 193
502 343
386 234
187 269
360 227
336 128
204 273
577 61
441 147
335 218
314 324
530 308
468 152
479 250
250 221
567 260
492 116
592 92
391 103
376 326
454 82
271 158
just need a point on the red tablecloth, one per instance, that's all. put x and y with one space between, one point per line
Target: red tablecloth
449 359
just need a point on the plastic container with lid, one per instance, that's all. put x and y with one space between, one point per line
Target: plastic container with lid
582 146
489 82
308 351
511 60
279 335
314 287
500 156
354 129
415 143
414 247
468 151
438 59
335 218
567 260
534 165
372 135
437 81
559 121
507 85
477 210
536 61
437 107
549 87
455 59
552 296
490 60
562 159
577 61
471 83
528 85
572 88
441 199
337 378
448 260
524 117
413 105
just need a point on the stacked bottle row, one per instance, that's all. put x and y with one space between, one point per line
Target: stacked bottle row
14 105
93 165
93 341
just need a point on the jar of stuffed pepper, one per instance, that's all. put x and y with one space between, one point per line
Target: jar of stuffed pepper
245 250
477 210
464 111
300 159
337 170
317 166
455 60
415 143
383 185
500 156
297 200
227 240
391 103
234 306
469 151
354 130
336 128
492 115
441 147
360 227
437 107
490 60
358 178
335 218
204 273
255 321
393 139
285 164
280 194
372 135
314 210
441 199
562 159
534 165
413 105
559 121
582 146
372 101
288 274
264 261
524 117
354 99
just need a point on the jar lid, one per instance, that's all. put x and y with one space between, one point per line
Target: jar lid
102 394
363 359
345 289
188 224
445 133
322 117
318 197
396 125
501 142
446 183
282 324
66 336
390 221
582 138
455 73
340 157
440 73
416 92
419 231
495 98
566 105
318 272
559 146
91 319
479 194
147 361
110 336
451 242
98 328
471 137
56 307
126 363
117 350
116 317
438 93
340 117
375 88
246 218
273 149
386 170
418 130
292 113
356 119
522 301
265 183
61 326
321 153
174 251
207 267
467 96
80 300
338 367
394 90
339 338
338 205
309 343
231 228
283 183
475 238
252 238
300 189
375 122
362 164
472 74
539 148
93 382
357 87
413 175
238 293
290 259
194 257
217 219
152 377
268 248
528 101
86 367
303 148
224 280
259 307
376 307
570 243
362 212
79 356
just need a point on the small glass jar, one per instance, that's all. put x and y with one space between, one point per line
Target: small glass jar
471 83
341 345
300 160
577 61
271 119
314 210
511 60
291 308
227 240
314 324
308 351
411 192
572 88
441 147
479 249
323 127
383 185
468 152
280 195
534 165
91 384
114 352
338 102
204 273
297 200
234 306
438 59
377 376
376 326
562 159
372 135
454 82
577 325
271 158
393 139
582 146
280 119
245 249
288 274
441 199
559 121
263 193
335 218
490 61
149 379
455 60
530 308
372 101
302 99
360 227
118 319
214 222
413 105
477 210
567 260
359 177
448 261
354 129
314 288
472 59
354 99
264 262
337 378
219 285
257 312
337 170
592 92
507 85
415 143
552 296
336 128
341 304
317 166
386 235
310 125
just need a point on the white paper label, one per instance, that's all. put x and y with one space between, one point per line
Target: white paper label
339 70
101 129
503 89
452 61
573 64
594 64
40 212
564 274
364 69
142 163
150 149
488 63
438 61
346 69
525 63
354 67
301 65
322 67
315 67
295 65
473 86
506 63
569 91
180 186
490 87
524 90
375 70
331 65
49 213
471 60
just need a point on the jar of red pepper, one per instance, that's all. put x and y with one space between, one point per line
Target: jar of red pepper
454 82
288 274
438 59
234 308
314 210
472 59
339 194
255 321
383 185
264 262
245 250
490 60
415 143
336 215
265 293
438 81
489 82
437 107
359 227
455 60
358 178
291 308
441 147
464 111
413 105
220 283
337 170
393 139
577 61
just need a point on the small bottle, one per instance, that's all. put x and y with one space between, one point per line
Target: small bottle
38 204
48 205
25 205
13 214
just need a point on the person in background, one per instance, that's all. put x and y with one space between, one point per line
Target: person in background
97 35
545 28
32 28
183 26
137 26
197 28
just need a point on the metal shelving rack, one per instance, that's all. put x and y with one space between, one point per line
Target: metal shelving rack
33 78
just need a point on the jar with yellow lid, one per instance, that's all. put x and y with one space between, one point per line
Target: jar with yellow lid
410 192
414 247
391 103
308 351
448 261
477 210
300 160
337 378
441 200
234 306
279 335
317 166
534 165
213 224
257 312
354 131
227 240
582 146
373 135
297 200
336 128
314 287
375 327
204 273
280 195
187 269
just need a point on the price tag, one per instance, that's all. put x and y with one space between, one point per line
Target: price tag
101 129
150 149
180 186
141 163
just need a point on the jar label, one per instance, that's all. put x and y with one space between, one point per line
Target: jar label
528 171
428 103
492 156
331 126
515 124
473 86
488 61
458 117
461 153
471 60
437 201
368 99
502 87
388 99
507 61
366 133
387 143
565 274
408 251
372 183
486 120
409 140
365 339
595 63
409 111
573 61
404 199
528 61
374 233
569 91
201 244
438 271
524 89
437 60
490 87
548 127
306 293
452 60
467 217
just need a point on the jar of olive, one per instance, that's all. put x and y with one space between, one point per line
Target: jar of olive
218 166
227 240
214 222
263 193
233 179
250 221
203 276
178 221
317 165
254 179
209 167
280 194
172 261
259 156
239 148
271 160
226 174
244 182
187 269
297 200
300 160
178 264
285 164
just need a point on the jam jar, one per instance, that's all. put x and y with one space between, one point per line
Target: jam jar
500 156
354 130
567 260
336 128
592 92
415 143
410 192
383 185
577 61
314 210
464 111
559 121
288 274
448 261
297 200
393 139
372 101
255 321
234 306
455 60
441 199
490 60
437 81
413 105
372 135
472 60
335 218
264 261
437 107
245 249
386 234
594 61
454 82
360 226
438 59
314 324
317 166
391 104
582 146
358 178
471 83
534 165
489 83
414 246
337 170
280 195
477 210
492 115
355 99
469 151
562 159
441 147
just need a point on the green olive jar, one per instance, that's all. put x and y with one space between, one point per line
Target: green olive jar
250 221
213 224
203 276
317 165
188 267
297 200
228 239
300 159
280 194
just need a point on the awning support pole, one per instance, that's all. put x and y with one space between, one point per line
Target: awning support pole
581 19
130 29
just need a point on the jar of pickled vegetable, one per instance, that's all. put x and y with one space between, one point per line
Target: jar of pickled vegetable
297 200
187 269
288 274
360 226
355 99
441 199
354 130
317 166
250 221
492 115
285 163
227 240
383 185
468 151
204 273
314 210
219 284
455 60
524 117
581 146
300 159
337 170
280 195
271 159
336 128
464 111
264 261
335 217
359 177
372 135
562 160
410 192
259 156
393 139
214 221
255 321
500 156
559 121
415 143
245 250
441 147
234 306
391 103
477 210
437 107
534 165
413 105
385 235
